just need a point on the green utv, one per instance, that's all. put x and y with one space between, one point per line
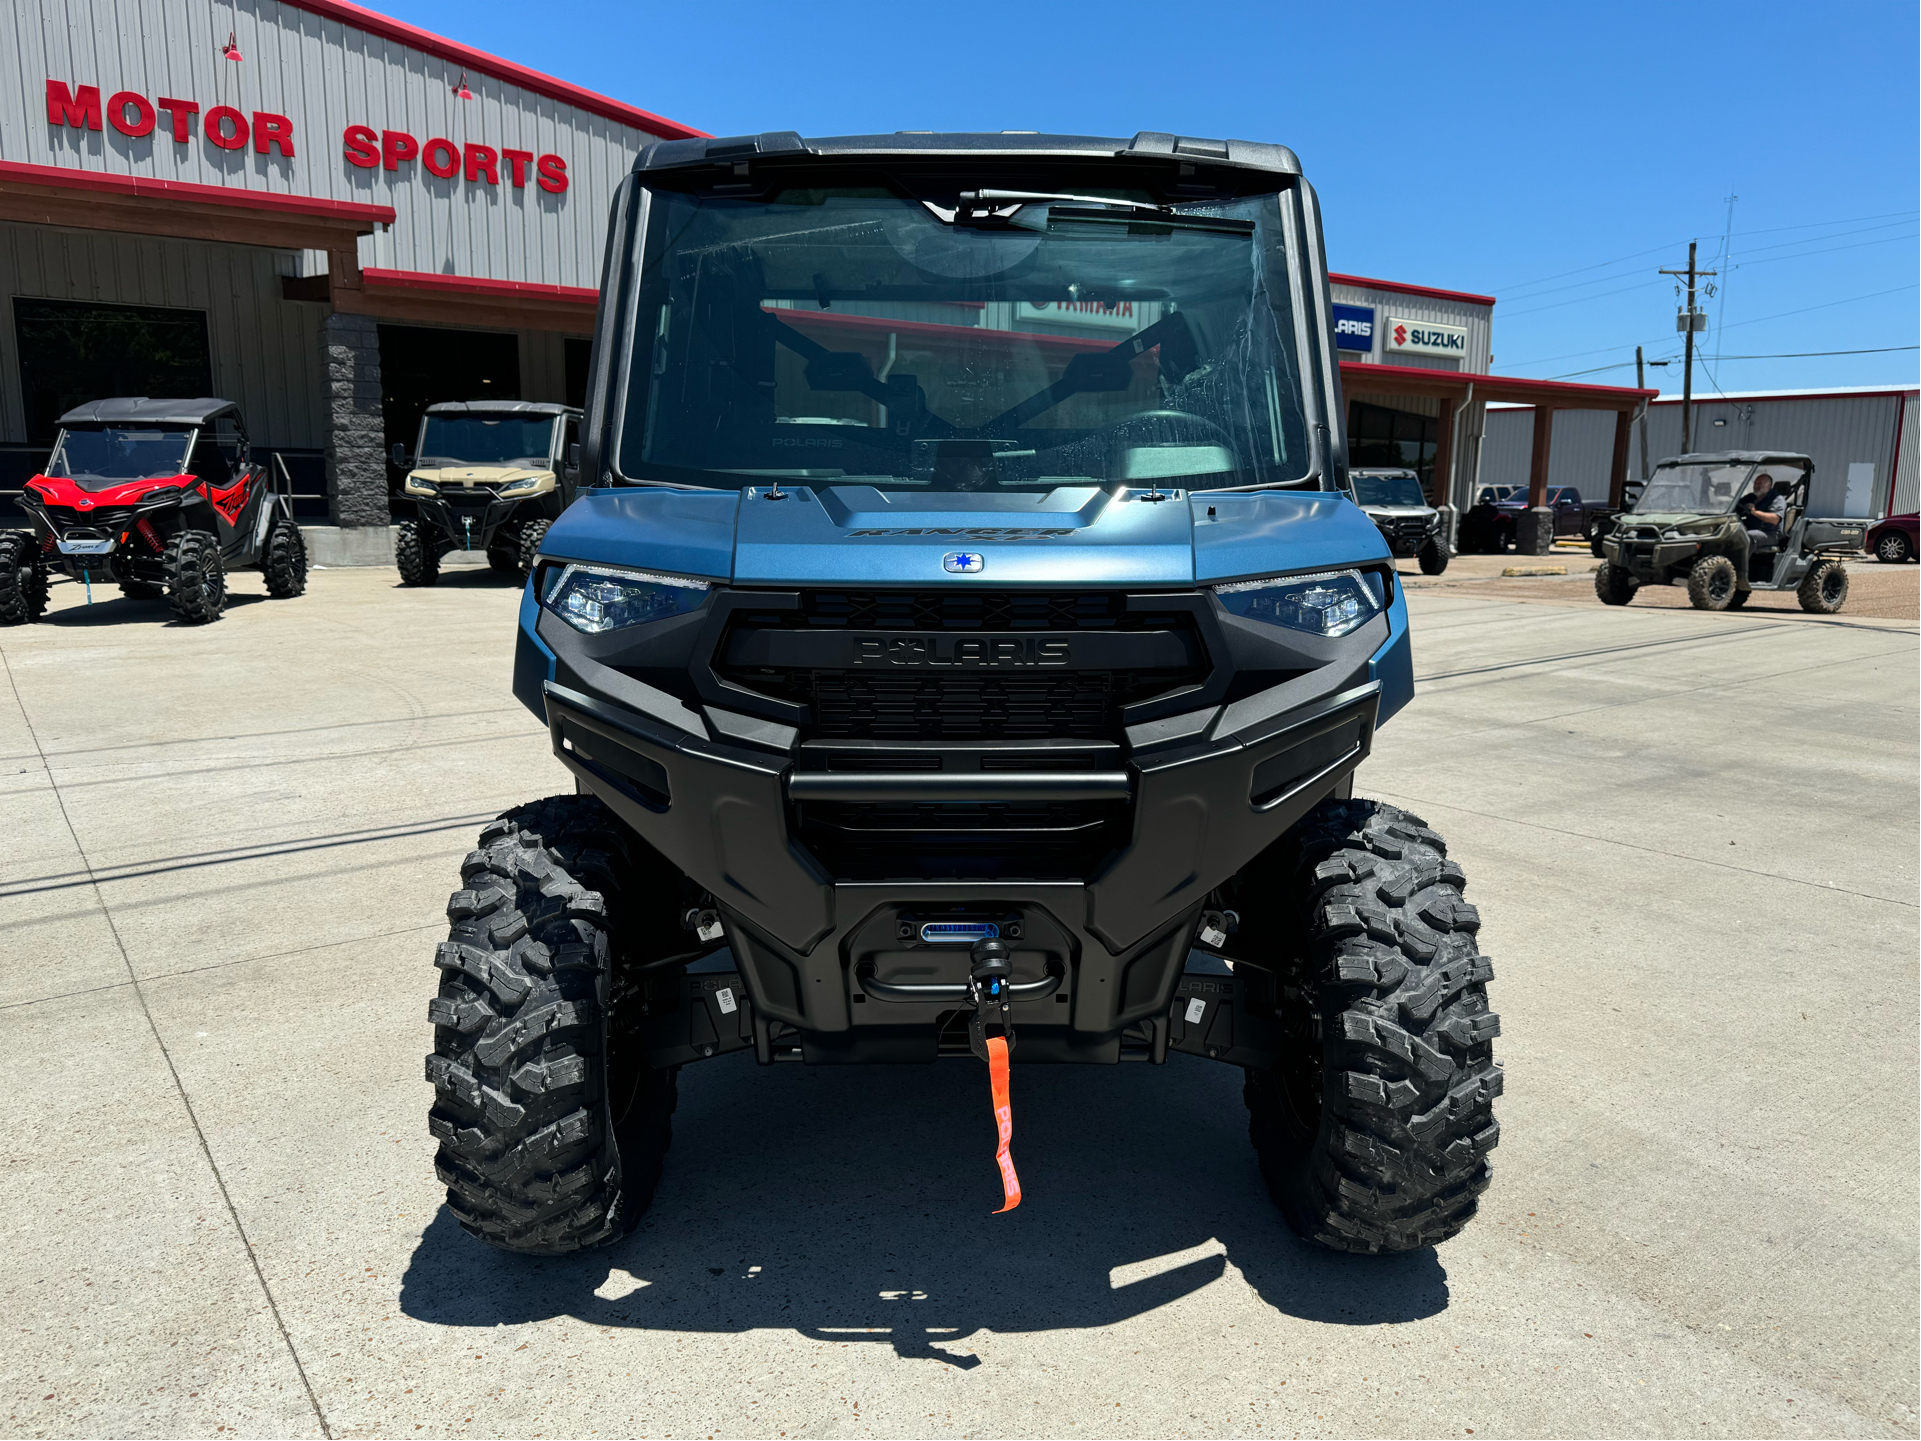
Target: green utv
1694 525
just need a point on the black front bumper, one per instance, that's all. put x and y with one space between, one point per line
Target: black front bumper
467 525
723 797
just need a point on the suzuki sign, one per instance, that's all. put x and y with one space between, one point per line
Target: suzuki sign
1426 337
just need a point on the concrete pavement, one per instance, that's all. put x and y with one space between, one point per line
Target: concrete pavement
1692 839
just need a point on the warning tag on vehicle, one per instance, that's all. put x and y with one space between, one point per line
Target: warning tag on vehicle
1196 1008
1004 1119
725 995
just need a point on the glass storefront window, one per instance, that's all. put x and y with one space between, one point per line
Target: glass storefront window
1379 438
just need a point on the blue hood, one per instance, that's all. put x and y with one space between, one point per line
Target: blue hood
861 535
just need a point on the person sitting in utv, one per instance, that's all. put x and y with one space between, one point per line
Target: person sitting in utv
1762 513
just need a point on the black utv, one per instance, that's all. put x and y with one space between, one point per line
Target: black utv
160 497
487 475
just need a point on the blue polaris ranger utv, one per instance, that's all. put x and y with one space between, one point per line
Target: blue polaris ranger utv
965 648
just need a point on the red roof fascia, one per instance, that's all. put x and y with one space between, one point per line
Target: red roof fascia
1546 390
480 62
310 206
1402 289
1889 392
376 279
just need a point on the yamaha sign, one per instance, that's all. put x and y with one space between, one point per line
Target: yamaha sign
1426 337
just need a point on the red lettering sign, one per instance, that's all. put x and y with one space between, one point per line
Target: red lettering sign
141 124
80 109
396 146
214 125
441 157
275 131
182 113
519 160
553 174
361 149
481 163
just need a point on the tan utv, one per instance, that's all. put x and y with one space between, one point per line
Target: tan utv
487 475
1695 524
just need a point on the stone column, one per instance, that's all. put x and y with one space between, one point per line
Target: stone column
356 436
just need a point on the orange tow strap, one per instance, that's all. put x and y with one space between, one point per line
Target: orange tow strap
1004 1119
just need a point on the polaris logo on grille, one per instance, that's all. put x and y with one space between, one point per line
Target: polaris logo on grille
964 562
946 651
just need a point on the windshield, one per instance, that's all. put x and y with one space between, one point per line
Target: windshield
475 440
1708 489
858 335
96 459
1387 489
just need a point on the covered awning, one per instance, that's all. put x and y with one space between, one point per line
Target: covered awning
94 200
1456 389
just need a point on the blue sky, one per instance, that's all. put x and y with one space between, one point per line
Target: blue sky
1552 156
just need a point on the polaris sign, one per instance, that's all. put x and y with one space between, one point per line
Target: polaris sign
1425 337
1354 327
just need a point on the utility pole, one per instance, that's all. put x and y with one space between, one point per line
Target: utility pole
1641 383
1689 321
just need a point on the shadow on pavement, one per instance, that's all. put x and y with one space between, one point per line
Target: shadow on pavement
112 608
853 1204
470 577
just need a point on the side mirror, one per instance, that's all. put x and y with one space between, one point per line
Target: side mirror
397 453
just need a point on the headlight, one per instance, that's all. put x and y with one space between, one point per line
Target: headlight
593 599
527 485
1332 603
416 486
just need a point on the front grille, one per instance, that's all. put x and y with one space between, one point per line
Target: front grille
107 522
966 608
1029 702
1044 840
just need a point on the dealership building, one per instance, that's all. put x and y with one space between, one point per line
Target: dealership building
334 219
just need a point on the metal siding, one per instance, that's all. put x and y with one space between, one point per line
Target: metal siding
1835 431
1478 320
324 76
265 351
1907 492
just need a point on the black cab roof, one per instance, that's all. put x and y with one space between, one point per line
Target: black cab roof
1022 145
1740 457
500 407
139 410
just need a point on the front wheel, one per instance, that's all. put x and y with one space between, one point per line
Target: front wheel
1433 556
196 577
1824 589
416 556
285 563
23 578
1614 584
1894 548
531 536
1373 1129
552 1131
1596 534
1712 583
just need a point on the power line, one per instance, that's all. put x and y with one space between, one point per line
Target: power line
1610 349
1622 290
1769 230
1784 355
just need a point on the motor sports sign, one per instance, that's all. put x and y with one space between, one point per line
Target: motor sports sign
1425 337
134 115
